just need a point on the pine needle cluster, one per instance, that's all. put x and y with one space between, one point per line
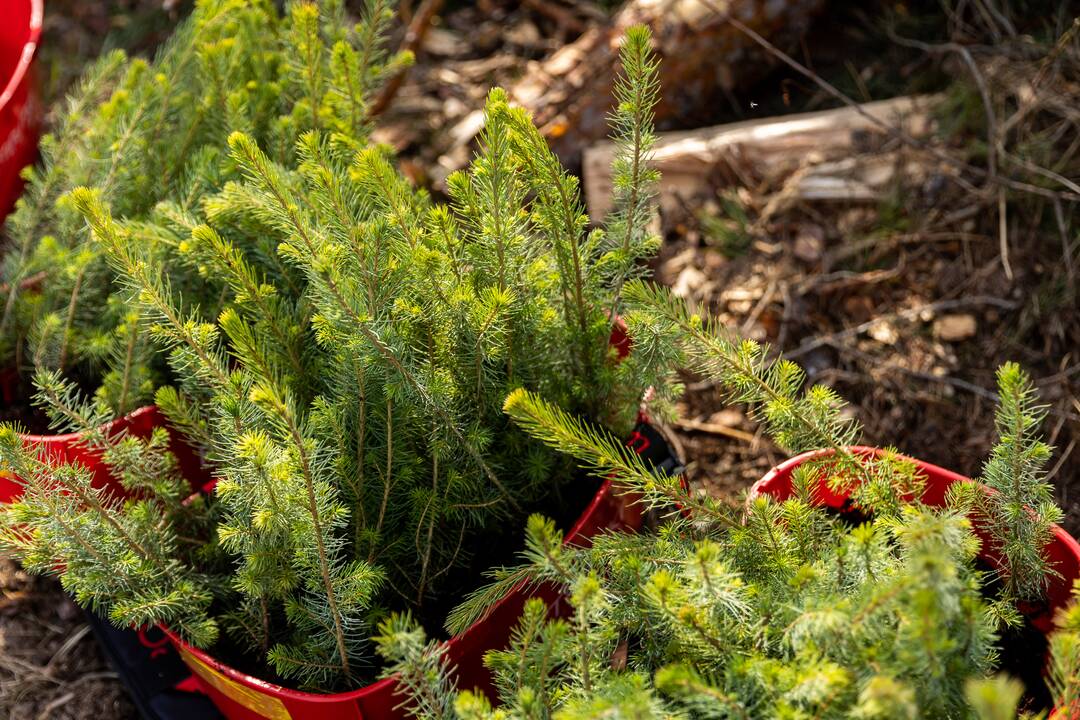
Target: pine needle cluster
792 614
1065 658
133 559
771 609
347 382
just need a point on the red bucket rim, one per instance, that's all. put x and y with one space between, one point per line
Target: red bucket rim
1062 538
37 14
757 488
271 688
122 421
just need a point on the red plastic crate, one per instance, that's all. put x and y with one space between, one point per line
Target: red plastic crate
20 106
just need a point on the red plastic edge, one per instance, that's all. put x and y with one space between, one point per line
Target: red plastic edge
68 448
20 113
37 15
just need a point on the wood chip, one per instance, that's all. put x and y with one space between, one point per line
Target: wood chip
809 243
444 43
954 328
884 332
689 280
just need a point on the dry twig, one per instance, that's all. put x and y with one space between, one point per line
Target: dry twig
414 37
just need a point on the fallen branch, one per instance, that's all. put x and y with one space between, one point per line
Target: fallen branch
717 429
813 150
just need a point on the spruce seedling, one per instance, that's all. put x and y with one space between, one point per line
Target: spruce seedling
149 137
347 382
773 609
1020 511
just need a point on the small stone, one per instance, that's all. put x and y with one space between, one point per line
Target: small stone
444 43
729 417
525 34
884 333
954 328
689 280
809 243
714 260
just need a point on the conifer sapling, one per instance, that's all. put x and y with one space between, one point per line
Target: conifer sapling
347 383
771 609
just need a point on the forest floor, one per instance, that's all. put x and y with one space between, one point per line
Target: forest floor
905 303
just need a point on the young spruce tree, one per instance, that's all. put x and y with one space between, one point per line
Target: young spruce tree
149 136
349 390
768 609
232 65
1020 511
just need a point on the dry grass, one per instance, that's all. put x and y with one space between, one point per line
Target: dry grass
50 666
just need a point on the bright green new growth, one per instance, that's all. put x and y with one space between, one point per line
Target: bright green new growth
419 665
793 615
348 386
1018 516
633 179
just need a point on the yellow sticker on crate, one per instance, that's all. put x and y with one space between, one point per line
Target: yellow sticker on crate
263 705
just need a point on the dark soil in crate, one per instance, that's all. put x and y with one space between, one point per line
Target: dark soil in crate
1023 656
1023 650
17 402
19 409
501 548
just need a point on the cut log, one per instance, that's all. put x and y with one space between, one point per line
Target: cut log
704 58
815 156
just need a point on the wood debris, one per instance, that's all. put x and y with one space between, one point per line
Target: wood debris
825 155
954 328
